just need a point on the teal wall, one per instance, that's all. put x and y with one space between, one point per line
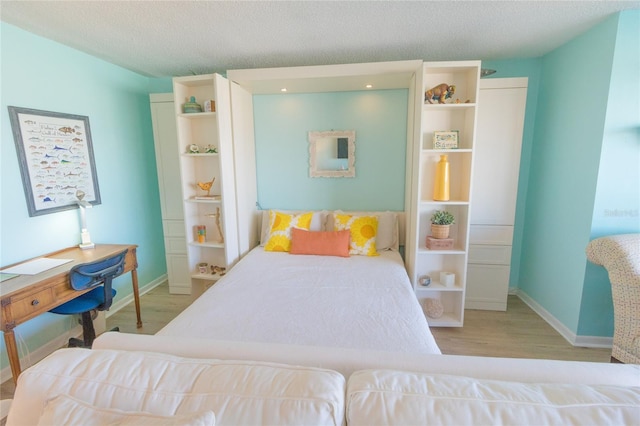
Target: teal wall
161 85
568 134
41 74
282 123
617 196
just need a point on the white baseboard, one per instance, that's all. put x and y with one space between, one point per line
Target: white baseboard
594 342
570 336
38 354
142 290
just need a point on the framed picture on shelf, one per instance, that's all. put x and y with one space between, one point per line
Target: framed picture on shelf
445 139
55 152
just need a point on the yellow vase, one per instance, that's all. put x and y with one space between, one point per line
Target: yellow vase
441 184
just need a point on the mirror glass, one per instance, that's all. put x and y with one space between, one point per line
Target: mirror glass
332 153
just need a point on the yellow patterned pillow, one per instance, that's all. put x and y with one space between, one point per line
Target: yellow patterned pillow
280 225
363 232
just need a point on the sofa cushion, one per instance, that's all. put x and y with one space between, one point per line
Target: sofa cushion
238 392
65 410
384 397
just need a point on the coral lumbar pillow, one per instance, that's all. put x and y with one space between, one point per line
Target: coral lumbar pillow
363 232
322 243
280 225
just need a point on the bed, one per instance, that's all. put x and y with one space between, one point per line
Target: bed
359 302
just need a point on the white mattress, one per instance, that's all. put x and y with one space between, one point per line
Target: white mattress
357 302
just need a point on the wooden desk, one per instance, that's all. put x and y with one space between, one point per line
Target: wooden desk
27 296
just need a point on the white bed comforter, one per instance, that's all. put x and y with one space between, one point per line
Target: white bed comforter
357 302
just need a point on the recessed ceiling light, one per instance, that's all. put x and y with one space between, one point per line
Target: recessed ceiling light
368 86
284 89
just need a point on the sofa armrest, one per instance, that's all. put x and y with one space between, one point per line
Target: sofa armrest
347 361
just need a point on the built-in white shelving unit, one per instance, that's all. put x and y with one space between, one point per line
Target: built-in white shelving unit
219 215
434 117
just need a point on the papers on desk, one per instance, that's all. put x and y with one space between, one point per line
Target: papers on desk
35 266
5 276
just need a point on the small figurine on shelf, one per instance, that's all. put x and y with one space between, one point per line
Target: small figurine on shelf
217 216
210 149
193 149
192 106
206 186
440 93
220 270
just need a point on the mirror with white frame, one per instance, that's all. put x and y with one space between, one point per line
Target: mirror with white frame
332 153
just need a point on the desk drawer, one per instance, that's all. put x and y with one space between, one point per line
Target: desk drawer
31 304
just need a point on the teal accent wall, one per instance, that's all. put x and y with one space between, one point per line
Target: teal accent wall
282 123
529 68
161 85
565 160
617 197
41 74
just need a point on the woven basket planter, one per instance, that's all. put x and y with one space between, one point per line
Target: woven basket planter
440 231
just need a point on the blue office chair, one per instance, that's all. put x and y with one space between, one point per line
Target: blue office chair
91 275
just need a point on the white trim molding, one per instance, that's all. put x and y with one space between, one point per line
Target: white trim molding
570 336
142 290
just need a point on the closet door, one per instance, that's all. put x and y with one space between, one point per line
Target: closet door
166 147
495 190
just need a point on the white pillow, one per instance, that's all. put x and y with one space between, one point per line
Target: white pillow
387 235
317 222
66 410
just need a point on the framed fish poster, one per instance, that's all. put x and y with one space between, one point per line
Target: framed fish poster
56 159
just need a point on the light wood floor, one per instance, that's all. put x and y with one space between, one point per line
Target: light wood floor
517 333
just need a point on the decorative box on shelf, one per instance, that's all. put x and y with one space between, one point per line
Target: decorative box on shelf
439 243
445 140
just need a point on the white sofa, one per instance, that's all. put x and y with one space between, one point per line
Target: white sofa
133 379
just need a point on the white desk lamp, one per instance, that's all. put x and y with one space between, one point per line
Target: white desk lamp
85 239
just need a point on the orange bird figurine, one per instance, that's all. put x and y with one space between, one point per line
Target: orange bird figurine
206 186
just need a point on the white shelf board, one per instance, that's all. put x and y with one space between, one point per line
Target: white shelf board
427 203
201 154
197 115
434 287
206 244
193 200
426 251
429 106
209 277
446 151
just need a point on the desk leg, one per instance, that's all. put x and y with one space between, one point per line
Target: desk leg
12 352
136 295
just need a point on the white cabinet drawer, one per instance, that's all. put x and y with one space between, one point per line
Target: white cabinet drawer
175 245
492 255
173 228
491 234
487 287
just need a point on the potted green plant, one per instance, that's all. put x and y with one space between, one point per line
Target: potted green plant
441 220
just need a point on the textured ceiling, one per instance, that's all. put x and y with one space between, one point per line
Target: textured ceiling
172 38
